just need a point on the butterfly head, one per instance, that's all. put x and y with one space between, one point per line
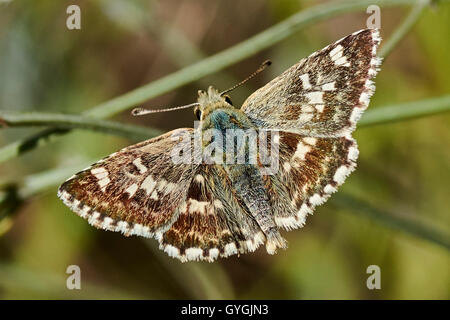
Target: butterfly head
211 100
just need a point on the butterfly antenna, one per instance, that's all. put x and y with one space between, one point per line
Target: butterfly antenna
263 65
142 111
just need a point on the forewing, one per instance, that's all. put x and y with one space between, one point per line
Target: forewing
136 190
310 170
212 223
323 95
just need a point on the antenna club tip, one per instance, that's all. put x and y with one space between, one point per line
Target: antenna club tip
136 111
267 63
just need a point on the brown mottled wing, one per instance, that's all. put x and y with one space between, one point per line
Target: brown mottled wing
212 223
310 170
324 94
136 190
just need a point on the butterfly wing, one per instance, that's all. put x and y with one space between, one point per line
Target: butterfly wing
136 190
189 208
212 223
315 104
310 170
324 94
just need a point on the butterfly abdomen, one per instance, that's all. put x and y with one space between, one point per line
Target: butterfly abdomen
248 183
239 144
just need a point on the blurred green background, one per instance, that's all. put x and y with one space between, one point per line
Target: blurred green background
403 169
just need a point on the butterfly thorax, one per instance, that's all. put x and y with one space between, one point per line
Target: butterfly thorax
219 117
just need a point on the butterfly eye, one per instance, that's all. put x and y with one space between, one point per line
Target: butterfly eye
228 100
197 113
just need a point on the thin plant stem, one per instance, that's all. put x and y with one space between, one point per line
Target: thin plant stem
419 229
406 26
405 111
375 116
66 121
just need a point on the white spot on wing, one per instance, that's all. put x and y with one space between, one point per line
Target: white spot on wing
213 253
138 163
303 212
93 218
258 239
364 98
106 223
172 251
103 183
316 199
288 223
197 206
342 61
310 140
319 107
302 150
340 174
85 212
336 53
154 195
148 184
218 204
305 81
315 97
193 253
356 115
328 86
98 170
353 153
170 187
329 189
122 226
307 108
131 190
101 175
162 184
305 117
230 249
337 56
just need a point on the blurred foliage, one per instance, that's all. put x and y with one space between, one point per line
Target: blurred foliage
403 171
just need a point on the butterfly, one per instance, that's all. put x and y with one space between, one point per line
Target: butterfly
203 211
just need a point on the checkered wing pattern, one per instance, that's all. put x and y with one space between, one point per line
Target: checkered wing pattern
324 94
